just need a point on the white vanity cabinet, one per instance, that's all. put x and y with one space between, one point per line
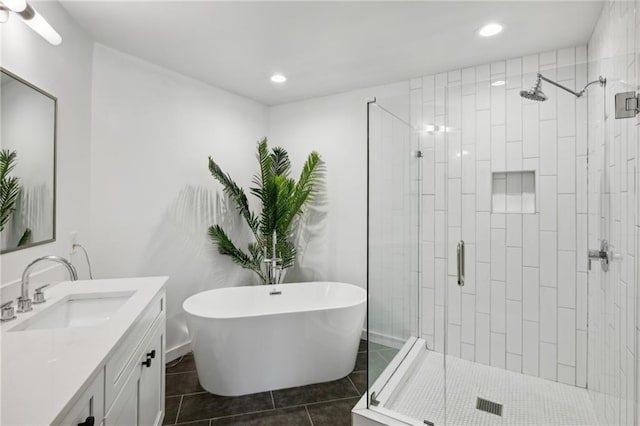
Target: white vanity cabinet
129 389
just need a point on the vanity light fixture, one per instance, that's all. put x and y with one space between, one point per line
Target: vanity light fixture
278 78
490 30
15 5
33 19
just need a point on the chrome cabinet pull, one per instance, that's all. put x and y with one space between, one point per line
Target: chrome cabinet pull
460 253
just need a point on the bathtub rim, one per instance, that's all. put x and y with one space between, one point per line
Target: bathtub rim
362 300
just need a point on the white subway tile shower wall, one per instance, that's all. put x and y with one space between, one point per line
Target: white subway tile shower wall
611 214
520 304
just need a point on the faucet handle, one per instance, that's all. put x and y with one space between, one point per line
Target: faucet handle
8 311
24 304
38 296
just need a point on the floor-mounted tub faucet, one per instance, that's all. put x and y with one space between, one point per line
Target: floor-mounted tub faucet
24 302
273 272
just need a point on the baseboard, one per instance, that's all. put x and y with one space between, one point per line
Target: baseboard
177 351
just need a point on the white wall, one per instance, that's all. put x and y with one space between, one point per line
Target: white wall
65 72
152 195
335 126
614 52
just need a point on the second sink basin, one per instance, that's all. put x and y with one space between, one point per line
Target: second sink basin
77 310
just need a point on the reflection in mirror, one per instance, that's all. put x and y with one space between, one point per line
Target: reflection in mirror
27 164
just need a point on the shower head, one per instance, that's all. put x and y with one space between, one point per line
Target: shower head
535 93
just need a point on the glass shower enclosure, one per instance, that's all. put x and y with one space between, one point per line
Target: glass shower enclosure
482 209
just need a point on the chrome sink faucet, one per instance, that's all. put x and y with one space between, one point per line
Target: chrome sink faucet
24 303
273 272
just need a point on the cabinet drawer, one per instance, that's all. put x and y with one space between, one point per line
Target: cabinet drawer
90 403
126 357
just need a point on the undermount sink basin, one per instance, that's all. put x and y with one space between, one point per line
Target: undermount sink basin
77 310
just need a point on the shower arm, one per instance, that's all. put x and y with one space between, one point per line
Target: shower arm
602 81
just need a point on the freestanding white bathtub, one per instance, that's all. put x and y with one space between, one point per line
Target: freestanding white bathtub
245 340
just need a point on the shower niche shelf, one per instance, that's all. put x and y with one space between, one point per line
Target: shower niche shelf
513 192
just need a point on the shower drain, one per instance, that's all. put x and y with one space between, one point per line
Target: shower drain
489 406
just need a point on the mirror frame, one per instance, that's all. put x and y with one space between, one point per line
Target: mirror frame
55 161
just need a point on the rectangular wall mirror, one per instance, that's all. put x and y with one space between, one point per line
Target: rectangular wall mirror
27 164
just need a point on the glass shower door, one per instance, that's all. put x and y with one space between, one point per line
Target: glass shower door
412 387
392 275
612 339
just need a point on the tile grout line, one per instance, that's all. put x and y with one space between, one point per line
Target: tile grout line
230 416
308 414
186 394
321 402
353 384
179 372
179 407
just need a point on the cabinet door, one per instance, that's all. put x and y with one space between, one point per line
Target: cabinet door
124 411
90 404
151 390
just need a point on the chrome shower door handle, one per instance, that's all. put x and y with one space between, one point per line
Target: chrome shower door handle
460 256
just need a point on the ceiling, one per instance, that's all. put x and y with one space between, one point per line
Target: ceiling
327 47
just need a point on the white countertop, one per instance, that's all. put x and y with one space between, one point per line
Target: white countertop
42 370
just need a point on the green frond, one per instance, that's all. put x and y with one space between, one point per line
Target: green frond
280 161
304 189
7 162
268 215
236 193
287 251
9 186
256 253
283 204
228 248
26 238
266 168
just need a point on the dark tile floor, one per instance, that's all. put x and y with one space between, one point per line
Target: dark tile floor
322 404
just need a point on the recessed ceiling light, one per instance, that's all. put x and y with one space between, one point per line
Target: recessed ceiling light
498 83
490 30
278 78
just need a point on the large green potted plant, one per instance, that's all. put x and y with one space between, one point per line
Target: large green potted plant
282 202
